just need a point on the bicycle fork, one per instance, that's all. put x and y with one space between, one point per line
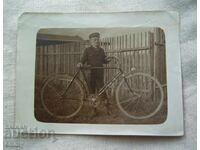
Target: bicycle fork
76 74
129 88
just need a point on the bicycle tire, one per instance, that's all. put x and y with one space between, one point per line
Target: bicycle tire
139 76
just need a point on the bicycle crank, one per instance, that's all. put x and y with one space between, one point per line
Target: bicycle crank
93 100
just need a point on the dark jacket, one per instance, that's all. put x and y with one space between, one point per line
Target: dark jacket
94 56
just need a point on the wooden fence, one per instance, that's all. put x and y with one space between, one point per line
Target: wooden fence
144 51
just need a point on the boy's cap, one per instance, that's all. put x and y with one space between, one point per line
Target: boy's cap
96 34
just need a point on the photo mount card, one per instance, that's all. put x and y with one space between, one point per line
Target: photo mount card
100 73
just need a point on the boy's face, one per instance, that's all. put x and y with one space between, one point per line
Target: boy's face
94 41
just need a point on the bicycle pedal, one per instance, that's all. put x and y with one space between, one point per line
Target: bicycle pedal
93 99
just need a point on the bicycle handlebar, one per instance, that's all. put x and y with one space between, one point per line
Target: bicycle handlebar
109 57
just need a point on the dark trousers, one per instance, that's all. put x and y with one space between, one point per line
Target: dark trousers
96 80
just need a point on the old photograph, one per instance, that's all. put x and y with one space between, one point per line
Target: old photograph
101 75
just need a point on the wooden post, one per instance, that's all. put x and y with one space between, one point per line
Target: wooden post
152 60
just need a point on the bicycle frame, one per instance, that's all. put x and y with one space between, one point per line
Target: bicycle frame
106 86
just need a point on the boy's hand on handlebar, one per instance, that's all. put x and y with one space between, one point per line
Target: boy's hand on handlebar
79 65
108 59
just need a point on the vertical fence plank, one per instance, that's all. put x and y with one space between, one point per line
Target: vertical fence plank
49 59
61 58
43 60
46 60
37 68
63 55
40 60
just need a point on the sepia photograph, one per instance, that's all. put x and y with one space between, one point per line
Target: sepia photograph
101 75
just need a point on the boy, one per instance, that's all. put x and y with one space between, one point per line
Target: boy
94 56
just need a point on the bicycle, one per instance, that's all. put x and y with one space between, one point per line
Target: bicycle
137 95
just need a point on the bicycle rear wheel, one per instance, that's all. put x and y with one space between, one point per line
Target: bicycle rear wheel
139 96
58 102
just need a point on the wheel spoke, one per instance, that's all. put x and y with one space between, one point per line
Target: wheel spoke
57 93
70 99
132 91
128 100
135 102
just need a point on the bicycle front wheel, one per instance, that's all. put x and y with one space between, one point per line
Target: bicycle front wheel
139 96
58 102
